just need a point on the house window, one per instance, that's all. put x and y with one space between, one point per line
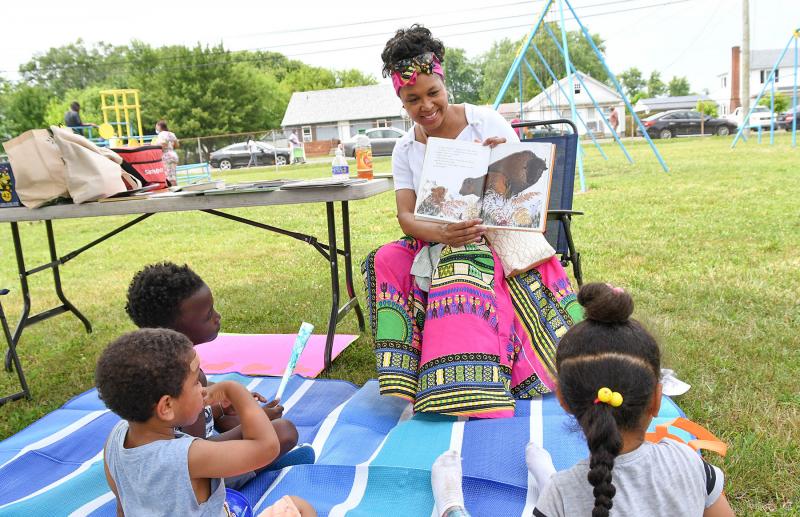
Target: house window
725 82
382 123
307 134
777 74
577 87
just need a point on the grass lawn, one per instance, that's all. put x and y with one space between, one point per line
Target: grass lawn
709 251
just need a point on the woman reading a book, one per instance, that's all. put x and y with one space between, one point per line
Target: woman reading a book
470 340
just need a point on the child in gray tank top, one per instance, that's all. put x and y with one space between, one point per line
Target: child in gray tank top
151 378
608 377
166 295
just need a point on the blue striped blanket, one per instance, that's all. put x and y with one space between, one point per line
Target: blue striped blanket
373 454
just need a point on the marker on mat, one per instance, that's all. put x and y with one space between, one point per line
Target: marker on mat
299 345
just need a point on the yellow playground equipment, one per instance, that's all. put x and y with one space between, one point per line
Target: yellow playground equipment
122 118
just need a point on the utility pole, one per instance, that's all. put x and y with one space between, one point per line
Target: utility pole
745 74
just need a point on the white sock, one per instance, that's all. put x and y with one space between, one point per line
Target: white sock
540 464
446 481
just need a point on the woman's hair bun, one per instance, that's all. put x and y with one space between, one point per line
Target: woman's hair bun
605 303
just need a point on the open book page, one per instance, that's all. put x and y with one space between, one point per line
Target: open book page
517 189
452 180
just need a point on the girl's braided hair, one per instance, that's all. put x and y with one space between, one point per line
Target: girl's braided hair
607 349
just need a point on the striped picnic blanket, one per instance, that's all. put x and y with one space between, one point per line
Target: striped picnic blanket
373 454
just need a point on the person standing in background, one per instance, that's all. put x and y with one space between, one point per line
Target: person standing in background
298 154
252 148
613 119
168 142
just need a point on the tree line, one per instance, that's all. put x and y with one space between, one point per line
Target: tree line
208 90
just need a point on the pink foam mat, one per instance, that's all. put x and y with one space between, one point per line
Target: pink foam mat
266 354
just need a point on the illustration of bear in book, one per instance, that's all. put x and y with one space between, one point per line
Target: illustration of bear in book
505 180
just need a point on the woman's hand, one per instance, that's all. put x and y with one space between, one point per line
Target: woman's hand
459 234
492 141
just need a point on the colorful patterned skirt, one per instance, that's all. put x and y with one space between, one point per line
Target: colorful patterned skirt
476 340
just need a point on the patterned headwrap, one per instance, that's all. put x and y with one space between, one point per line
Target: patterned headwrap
406 70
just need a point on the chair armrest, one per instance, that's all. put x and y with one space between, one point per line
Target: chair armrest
561 213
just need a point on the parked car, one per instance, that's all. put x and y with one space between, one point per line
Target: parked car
674 123
237 155
382 140
760 117
785 120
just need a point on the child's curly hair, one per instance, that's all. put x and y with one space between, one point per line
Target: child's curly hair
408 43
156 292
139 368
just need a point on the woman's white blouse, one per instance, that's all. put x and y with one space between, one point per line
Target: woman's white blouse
409 154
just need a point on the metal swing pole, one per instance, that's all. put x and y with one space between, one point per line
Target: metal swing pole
770 81
520 55
591 97
794 92
614 80
572 100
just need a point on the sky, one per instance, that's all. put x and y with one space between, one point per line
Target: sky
689 38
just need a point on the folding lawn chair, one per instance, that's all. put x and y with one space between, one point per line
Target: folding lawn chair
559 213
12 351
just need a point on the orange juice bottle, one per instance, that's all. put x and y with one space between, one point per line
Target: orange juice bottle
363 155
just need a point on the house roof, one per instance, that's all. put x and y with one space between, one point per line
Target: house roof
669 103
507 108
765 59
602 93
356 103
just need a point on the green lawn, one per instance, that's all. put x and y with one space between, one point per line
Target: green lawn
710 252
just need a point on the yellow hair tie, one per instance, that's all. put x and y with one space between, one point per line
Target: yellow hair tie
612 398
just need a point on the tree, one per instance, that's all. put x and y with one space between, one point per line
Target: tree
632 81
74 66
655 86
352 77
678 86
88 98
24 108
462 81
707 108
781 102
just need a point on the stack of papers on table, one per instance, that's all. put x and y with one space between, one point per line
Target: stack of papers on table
324 182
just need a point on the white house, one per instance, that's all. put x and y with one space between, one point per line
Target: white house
339 113
539 108
728 92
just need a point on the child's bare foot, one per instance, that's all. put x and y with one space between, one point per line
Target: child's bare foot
446 481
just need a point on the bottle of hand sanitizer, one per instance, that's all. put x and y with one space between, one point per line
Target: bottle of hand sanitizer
339 166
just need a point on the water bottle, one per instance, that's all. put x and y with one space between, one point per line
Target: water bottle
363 155
339 166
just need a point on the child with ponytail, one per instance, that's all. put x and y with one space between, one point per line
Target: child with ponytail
608 378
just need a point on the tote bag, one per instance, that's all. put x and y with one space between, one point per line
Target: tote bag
39 171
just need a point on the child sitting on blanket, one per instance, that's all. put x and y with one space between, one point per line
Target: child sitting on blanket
169 296
151 378
608 378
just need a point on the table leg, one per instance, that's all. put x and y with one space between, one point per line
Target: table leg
334 263
26 295
51 242
348 264
12 351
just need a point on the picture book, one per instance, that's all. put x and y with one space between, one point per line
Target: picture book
506 187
